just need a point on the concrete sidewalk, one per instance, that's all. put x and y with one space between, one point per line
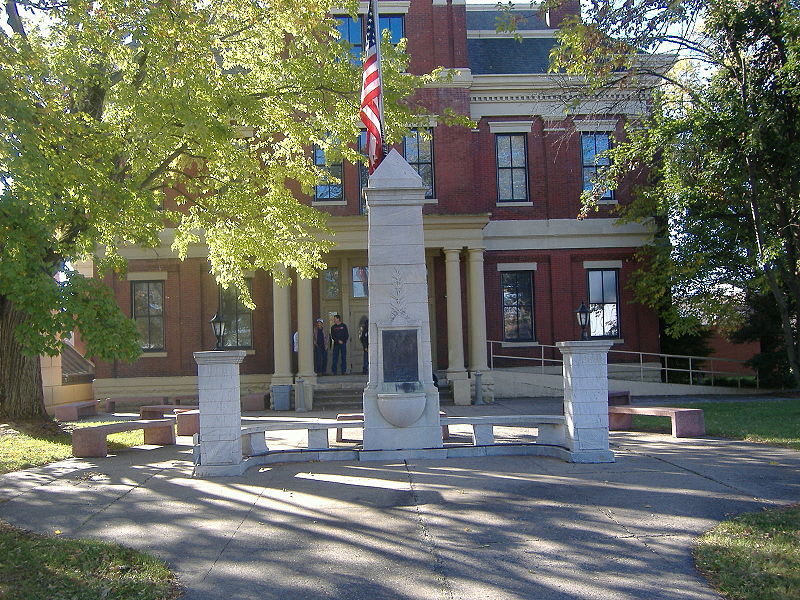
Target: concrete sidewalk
464 529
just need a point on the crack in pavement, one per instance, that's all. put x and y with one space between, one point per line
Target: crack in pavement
428 542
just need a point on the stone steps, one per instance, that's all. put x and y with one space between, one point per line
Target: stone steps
344 392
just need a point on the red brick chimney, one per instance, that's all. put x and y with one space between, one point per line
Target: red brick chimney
568 8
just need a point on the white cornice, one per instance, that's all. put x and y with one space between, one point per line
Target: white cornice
522 33
388 7
553 234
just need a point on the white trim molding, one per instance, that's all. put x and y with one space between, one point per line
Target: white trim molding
562 234
525 266
147 276
595 124
473 34
510 126
602 264
389 7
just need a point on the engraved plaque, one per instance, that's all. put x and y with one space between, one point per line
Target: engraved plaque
400 355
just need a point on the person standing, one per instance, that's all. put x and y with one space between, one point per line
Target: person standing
339 337
321 342
363 337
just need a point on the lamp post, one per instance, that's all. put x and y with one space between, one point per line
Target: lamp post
218 326
583 320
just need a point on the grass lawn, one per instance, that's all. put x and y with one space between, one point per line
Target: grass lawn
754 556
772 422
36 566
24 445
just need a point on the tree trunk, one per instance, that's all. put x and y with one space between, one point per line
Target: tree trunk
21 395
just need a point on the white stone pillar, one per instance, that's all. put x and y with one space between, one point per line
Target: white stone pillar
305 330
586 400
476 324
477 311
456 373
281 335
220 436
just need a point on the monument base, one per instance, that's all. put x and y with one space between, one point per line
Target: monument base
382 434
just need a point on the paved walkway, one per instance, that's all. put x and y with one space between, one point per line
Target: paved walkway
496 528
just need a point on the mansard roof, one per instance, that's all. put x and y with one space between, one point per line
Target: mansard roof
499 56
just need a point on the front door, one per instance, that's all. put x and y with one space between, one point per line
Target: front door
344 291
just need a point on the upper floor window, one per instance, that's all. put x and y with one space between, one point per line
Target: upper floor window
148 313
419 153
363 174
395 24
238 318
512 167
327 190
351 32
517 289
604 303
593 144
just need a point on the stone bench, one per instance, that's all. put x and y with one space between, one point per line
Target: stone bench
254 439
92 441
360 416
552 428
156 411
686 422
187 422
74 410
111 402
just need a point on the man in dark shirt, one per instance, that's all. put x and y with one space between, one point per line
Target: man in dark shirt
339 337
321 343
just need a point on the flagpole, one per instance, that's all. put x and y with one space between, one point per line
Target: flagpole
378 36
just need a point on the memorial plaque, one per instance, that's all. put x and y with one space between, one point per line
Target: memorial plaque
400 355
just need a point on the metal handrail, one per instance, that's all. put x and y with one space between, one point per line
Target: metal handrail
695 372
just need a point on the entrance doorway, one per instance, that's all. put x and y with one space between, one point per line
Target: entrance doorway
344 291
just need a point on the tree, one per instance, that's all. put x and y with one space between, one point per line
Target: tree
105 105
721 145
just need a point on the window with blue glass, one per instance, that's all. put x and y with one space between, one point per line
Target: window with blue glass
418 150
363 174
351 31
395 24
328 189
593 144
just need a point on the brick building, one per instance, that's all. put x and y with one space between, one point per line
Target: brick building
508 261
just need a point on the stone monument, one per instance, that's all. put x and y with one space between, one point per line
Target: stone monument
401 404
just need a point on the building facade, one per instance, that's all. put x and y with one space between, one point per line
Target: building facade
508 260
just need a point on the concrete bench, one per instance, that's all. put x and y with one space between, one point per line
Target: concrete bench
187 422
686 422
75 410
551 428
156 411
111 403
92 441
360 416
254 440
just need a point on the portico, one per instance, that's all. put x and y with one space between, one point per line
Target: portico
453 244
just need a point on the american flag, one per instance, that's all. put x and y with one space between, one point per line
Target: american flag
371 97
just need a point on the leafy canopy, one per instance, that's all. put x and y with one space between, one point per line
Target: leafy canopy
107 105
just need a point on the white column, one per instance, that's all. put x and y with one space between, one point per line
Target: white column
281 335
305 337
220 437
586 400
456 373
477 311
